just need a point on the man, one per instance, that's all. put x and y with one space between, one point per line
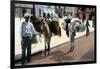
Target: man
71 36
72 27
27 31
87 24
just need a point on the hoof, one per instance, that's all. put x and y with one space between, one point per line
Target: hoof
71 49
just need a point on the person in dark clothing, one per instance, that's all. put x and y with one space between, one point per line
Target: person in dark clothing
87 28
87 24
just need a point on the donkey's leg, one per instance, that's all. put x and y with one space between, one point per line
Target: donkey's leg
49 45
45 49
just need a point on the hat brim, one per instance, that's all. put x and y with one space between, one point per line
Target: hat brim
26 16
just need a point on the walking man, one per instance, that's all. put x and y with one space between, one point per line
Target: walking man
72 27
72 34
87 24
27 31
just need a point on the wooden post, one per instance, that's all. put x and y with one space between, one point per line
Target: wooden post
34 9
20 11
64 11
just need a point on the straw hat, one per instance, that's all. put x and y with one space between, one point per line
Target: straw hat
27 15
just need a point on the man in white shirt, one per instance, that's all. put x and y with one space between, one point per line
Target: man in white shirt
27 31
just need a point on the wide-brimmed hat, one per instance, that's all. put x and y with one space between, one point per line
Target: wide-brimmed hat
27 15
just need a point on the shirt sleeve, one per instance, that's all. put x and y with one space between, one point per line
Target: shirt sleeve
34 32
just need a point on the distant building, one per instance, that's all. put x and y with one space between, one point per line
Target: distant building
21 9
40 9
86 10
37 10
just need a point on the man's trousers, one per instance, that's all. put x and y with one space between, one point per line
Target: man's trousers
26 45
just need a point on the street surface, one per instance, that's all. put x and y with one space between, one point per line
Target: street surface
84 51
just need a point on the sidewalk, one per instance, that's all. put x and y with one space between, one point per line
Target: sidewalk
55 40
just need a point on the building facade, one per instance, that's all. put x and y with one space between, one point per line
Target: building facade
38 10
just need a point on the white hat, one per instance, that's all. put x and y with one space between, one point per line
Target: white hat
27 15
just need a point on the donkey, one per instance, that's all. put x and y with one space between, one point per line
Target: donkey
47 36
